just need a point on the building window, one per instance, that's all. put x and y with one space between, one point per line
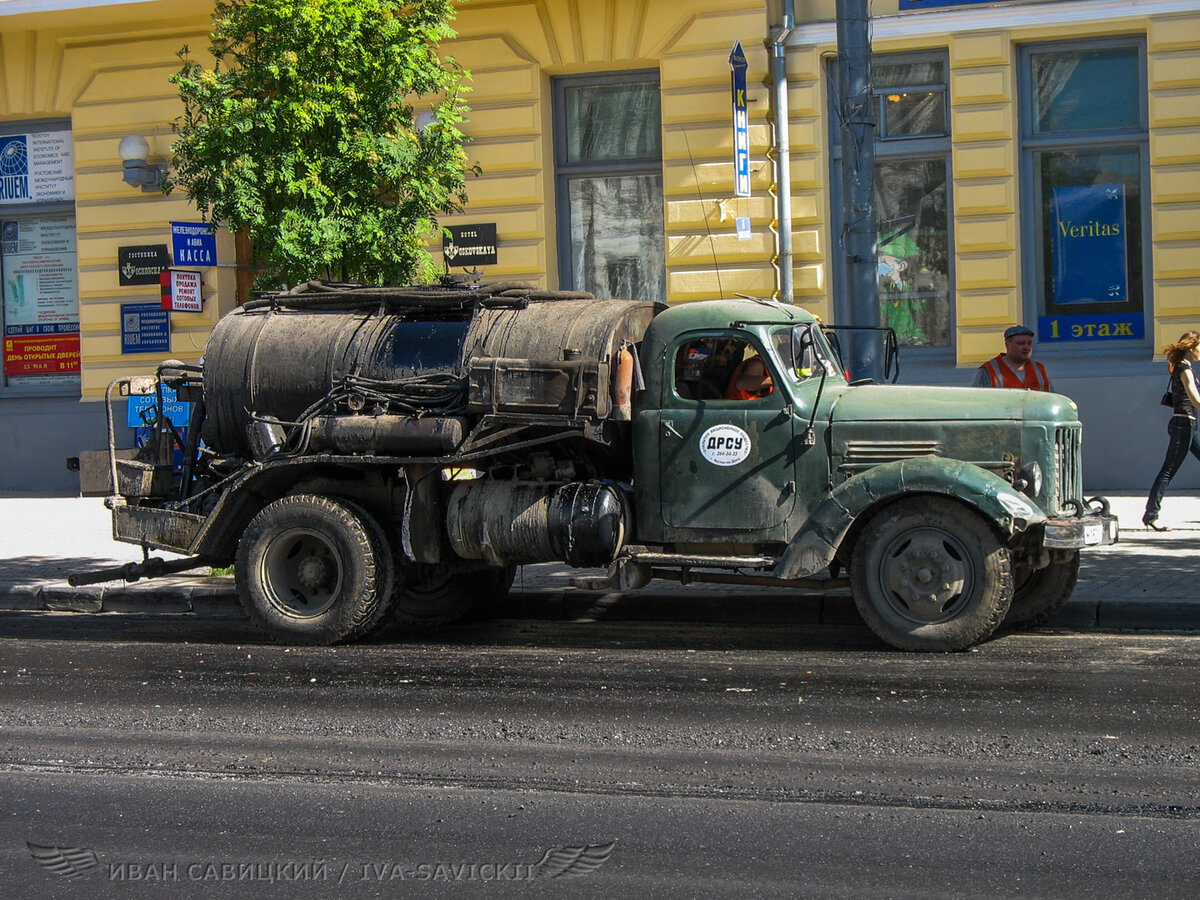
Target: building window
1084 153
38 263
608 163
912 197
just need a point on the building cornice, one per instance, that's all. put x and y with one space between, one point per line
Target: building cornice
20 7
959 20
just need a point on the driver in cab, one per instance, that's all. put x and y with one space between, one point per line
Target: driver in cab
751 380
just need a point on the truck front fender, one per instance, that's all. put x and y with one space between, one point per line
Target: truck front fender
815 544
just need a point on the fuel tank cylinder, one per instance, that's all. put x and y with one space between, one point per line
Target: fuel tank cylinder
515 522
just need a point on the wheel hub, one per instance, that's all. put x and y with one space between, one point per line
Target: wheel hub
301 573
924 573
313 573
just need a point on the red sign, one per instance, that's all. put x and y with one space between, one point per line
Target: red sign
181 290
46 355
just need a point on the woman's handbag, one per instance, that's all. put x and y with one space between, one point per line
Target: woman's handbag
1167 398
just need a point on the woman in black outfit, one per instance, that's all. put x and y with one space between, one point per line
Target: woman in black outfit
1181 429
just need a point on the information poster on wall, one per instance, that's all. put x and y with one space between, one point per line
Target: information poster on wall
41 299
37 167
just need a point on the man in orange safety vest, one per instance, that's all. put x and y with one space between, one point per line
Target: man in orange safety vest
1015 367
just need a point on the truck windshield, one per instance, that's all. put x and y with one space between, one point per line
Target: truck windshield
804 352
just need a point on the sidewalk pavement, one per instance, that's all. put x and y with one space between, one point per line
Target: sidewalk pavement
1144 582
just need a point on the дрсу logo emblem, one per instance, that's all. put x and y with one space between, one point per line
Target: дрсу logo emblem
725 445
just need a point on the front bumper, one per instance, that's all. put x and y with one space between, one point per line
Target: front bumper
1095 528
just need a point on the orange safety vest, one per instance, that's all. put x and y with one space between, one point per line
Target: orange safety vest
1036 378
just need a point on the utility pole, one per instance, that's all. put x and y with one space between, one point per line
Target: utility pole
859 238
777 43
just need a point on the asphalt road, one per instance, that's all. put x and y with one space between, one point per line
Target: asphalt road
163 757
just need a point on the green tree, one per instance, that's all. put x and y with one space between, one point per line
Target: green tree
303 135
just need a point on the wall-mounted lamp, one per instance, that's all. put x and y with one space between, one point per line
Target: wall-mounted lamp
138 173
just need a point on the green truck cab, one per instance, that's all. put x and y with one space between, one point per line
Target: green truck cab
951 508
373 455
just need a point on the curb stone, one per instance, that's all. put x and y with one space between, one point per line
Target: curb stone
214 601
22 597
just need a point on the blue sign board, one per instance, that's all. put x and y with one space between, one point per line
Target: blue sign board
14 168
1089 244
1121 327
145 328
741 122
141 409
193 244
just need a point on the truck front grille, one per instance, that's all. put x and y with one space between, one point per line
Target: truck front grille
1068 465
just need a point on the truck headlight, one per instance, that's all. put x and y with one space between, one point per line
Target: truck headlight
1029 480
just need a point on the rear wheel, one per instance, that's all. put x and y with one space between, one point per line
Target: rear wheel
441 594
314 570
1040 593
928 573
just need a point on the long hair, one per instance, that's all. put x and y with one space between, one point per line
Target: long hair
1175 352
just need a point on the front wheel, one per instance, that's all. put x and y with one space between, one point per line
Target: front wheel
1040 593
314 570
928 573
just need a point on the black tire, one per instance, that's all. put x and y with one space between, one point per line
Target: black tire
314 570
1040 593
387 575
928 573
442 595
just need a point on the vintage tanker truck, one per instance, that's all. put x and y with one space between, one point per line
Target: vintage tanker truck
363 454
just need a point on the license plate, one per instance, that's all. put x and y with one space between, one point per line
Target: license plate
1093 533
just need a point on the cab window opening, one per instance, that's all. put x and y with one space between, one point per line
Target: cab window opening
721 368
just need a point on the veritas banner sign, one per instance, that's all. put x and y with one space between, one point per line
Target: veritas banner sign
1089 244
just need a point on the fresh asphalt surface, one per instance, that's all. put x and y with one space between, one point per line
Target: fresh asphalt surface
751 745
193 760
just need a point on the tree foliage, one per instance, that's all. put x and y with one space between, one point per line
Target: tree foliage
303 134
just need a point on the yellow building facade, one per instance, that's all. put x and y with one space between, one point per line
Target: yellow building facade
605 135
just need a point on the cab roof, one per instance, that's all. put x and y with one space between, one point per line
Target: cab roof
721 314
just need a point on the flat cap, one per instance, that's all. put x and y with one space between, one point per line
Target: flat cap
1016 330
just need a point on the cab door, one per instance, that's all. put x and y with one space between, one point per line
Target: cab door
724 463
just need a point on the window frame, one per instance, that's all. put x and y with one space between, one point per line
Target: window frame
897 148
42 210
939 56
1031 143
675 400
565 172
